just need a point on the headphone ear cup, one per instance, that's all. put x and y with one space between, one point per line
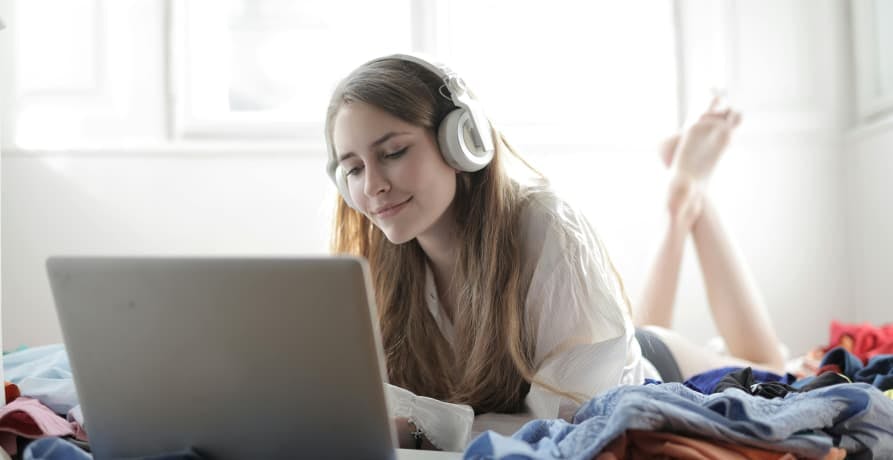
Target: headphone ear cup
456 145
341 183
448 139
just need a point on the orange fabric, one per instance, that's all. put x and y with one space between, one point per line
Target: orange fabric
636 445
12 391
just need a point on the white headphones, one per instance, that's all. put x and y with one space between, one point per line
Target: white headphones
464 135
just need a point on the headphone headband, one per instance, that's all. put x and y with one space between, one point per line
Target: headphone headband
458 92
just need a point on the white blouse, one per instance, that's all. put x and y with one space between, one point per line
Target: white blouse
585 339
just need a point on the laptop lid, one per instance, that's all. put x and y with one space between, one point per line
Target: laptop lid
235 357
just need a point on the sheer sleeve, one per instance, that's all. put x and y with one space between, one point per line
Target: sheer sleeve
575 306
446 425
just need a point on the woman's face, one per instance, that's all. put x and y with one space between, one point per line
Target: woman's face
395 172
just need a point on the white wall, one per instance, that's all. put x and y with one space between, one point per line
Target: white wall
780 189
148 204
868 165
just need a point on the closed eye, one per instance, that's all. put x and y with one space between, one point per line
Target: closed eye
389 156
397 154
353 171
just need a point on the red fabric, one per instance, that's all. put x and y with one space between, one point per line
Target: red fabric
829 368
862 340
28 418
12 391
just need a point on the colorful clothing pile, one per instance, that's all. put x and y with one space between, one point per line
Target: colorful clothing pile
636 444
42 401
28 418
846 408
854 417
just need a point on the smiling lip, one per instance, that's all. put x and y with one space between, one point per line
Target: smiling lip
391 210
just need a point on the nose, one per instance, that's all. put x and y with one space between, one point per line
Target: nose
376 182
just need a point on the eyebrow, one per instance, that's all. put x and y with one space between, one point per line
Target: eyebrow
378 142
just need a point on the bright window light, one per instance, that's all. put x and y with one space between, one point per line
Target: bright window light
562 72
559 75
59 47
578 72
277 61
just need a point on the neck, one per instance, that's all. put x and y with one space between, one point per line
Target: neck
441 245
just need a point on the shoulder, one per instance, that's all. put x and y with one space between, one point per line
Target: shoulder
548 219
575 301
544 205
570 267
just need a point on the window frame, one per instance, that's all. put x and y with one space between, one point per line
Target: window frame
873 101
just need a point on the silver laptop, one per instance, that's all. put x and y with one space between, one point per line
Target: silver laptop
232 357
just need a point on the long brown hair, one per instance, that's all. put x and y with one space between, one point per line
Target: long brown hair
490 366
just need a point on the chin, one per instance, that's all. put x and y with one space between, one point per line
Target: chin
397 237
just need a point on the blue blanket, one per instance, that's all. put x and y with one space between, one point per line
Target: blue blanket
43 373
805 424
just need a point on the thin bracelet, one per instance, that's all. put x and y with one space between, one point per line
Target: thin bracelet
417 435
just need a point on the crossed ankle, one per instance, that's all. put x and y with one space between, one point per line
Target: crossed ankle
684 202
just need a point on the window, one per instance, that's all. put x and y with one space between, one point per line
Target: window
85 74
567 71
265 68
872 34
560 72
557 74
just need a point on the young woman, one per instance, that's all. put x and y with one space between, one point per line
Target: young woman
496 296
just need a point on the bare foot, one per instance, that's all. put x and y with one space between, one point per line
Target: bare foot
668 148
691 158
699 148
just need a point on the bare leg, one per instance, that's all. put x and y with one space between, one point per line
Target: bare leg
737 307
659 295
734 300
694 359
683 209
